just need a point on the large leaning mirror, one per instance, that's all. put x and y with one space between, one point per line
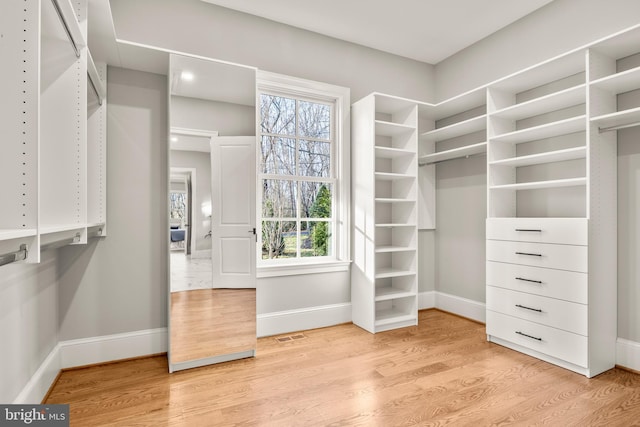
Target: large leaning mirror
212 304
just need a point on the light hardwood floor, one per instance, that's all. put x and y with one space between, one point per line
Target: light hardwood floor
441 372
212 322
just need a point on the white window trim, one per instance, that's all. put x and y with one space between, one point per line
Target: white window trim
267 81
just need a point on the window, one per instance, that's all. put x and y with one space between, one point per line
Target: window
301 176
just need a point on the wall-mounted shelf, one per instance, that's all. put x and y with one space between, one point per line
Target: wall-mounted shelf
556 183
542 158
464 127
386 249
392 129
392 153
544 104
385 176
619 119
389 292
549 130
620 82
455 153
17 234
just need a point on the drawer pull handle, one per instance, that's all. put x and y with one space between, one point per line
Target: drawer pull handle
528 336
529 280
529 230
529 308
527 253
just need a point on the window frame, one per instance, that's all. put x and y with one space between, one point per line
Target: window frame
339 97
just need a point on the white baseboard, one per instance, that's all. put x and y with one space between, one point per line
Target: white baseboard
426 300
281 322
461 306
628 354
38 386
89 351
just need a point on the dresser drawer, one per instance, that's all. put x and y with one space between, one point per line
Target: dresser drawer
544 339
565 315
561 284
562 257
566 231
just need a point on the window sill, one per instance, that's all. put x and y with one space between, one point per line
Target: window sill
302 268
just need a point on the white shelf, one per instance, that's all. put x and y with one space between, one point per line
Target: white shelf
388 249
385 317
384 273
455 153
51 229
393 200
17 234
619 118
392 153
387 176
464 102
389 292
457 129
620 82
392 129
553 102
548 157
556 183
392 225
561 127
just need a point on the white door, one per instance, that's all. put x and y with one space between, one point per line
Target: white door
233 212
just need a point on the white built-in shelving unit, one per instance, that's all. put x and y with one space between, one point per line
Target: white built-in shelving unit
54 156
384 174
549 133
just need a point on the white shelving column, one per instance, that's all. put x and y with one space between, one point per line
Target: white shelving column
551 220
96 148
19 128
385 196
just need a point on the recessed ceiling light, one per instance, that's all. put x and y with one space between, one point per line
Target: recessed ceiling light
187 76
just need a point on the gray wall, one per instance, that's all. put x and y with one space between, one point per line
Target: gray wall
552 30
197 27
119 284
28 321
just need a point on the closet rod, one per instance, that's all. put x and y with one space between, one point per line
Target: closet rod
56 6
453 158
19 255
95 90
612 128
60 243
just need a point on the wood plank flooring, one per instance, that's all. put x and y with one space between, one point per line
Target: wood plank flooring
441 372
212 322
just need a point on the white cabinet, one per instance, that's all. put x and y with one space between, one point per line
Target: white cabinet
385 205
551 208
45 169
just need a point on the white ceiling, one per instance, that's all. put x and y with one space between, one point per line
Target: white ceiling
425 30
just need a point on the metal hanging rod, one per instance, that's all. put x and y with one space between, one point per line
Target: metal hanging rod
19 255
95 90
56 6
60 243
453 158
612 128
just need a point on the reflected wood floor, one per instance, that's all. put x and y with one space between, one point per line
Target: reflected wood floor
441 372
212 322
